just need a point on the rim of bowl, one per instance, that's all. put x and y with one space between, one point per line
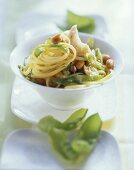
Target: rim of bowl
114 75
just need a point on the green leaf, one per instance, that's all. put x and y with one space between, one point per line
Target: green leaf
91 127
47 123
75 119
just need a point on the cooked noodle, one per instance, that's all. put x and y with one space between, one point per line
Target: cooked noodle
64 61
45 66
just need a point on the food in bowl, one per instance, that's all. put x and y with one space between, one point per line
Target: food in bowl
64 61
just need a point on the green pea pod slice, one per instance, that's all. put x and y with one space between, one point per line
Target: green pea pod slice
90 43
81 146
91 127
85 24
47 123
99 55
60 143
75 119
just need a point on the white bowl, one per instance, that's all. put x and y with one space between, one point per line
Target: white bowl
63 98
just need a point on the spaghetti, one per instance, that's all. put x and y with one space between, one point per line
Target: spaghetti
51 62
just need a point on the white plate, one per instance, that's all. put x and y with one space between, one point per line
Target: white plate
34 24
29 149
28 105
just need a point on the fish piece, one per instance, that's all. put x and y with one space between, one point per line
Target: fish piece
81 48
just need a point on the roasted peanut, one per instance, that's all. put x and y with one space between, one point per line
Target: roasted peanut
72 69
87 70
40 81
105 58
52 84
87 63
79 64
110 64
57 38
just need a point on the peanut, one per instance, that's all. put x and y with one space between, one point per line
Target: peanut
110 64
79 64
105 58
87 63
57 38
40 81
72 69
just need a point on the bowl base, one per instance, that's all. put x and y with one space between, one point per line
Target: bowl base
62 108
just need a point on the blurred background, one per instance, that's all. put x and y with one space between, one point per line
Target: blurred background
18 17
